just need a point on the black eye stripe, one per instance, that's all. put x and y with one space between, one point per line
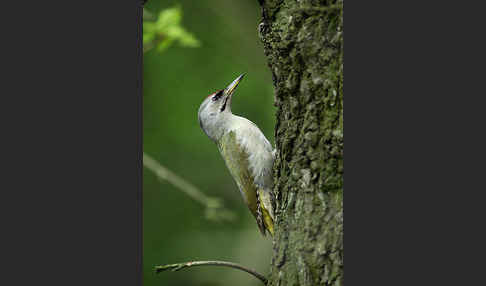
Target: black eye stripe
218 95
224 104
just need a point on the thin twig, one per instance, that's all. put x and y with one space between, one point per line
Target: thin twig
179 266
214 206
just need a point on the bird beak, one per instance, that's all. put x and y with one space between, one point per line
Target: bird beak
231 88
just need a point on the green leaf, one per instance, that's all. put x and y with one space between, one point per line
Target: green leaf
166 30
185 38
169 18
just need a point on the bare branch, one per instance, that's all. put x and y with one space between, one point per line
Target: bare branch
179 266
214 206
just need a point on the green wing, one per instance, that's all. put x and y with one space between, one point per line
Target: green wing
236 160
256 199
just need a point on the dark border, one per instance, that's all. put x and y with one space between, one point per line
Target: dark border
139 144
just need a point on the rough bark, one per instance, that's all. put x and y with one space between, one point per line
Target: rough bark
303 42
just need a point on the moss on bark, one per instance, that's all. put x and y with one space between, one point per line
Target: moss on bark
303 42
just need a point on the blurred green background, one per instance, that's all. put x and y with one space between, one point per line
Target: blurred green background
176 81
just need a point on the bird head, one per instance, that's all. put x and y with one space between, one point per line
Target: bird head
216 110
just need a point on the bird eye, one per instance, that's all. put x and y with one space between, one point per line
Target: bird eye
218 95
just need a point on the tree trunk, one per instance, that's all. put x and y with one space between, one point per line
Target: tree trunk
303 42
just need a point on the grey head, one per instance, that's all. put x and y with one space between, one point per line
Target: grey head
215 112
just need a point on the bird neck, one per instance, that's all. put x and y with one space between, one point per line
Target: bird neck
221 126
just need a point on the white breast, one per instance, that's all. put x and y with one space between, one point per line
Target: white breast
259 150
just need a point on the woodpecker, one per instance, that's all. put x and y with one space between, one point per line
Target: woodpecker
246 152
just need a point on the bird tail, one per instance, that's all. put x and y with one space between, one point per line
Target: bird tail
267 219
266 209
